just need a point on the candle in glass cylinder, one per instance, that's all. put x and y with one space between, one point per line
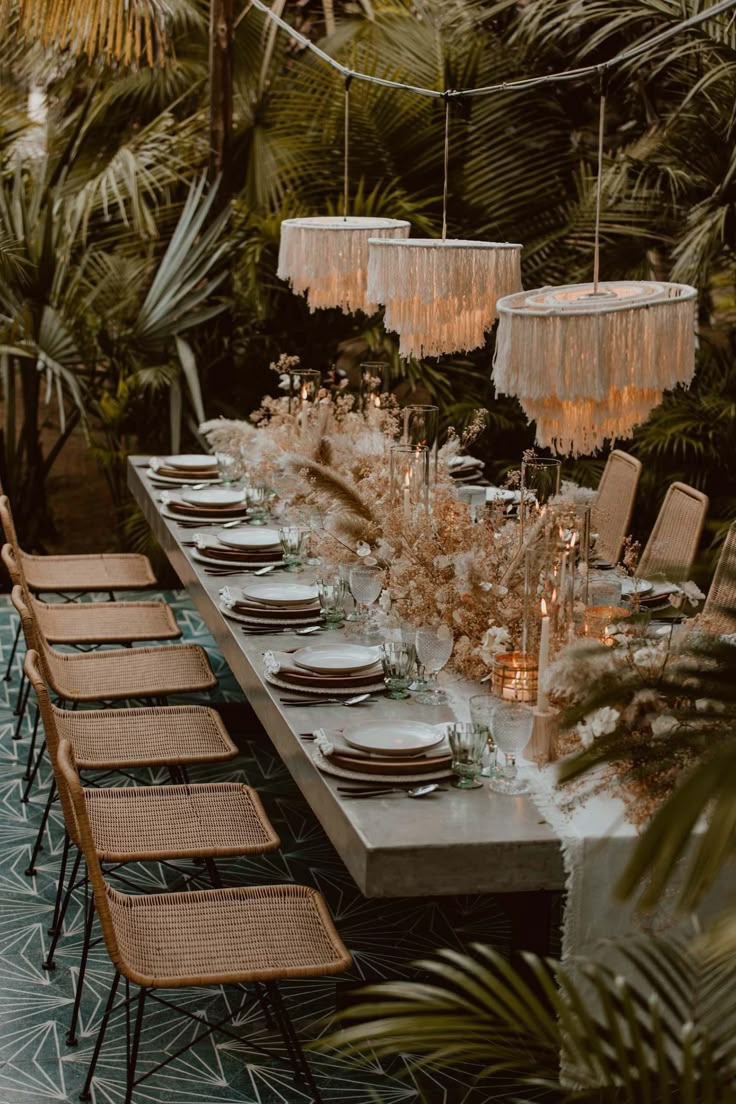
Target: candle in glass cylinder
515 677
407 494
601 621
543 661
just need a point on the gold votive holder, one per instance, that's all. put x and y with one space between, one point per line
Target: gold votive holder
516 676
600 621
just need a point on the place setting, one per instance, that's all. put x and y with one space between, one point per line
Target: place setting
405 757
315 673
183 470
208 504
263 606
230 551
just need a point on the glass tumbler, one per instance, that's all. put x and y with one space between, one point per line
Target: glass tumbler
398 659
512 729
293 545
466 744
332 594
256 497
482 708
230 467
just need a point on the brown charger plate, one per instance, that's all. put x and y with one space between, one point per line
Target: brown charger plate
271 612
199 511
193 475
303 678
391 766
240 557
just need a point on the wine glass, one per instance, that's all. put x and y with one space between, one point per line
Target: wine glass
366 584
512 729
230 467
434 648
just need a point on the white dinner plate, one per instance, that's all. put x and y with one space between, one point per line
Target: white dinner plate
395 738
328 659
642 587
190 460
253 539
213 496
501 494
281 593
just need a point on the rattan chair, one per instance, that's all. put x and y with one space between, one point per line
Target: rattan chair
611 512
673 543
151 823
72 576
719 611
120 674
249 935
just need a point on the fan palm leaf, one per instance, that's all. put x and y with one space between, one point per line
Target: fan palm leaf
124 30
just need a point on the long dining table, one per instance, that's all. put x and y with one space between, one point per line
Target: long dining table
452 843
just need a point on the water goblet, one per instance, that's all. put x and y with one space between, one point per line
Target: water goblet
332 594
293 546
366 584
256 498
434 648
229 466
512 729
398 659
466 744
482 708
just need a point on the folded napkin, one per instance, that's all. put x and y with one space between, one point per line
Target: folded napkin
464 462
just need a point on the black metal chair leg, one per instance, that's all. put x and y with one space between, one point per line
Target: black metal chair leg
19 695
291 1039
71 1035
31 868
34 772
9 668
32 747
85 1093
261 993
60 883
213 872
21 709
133 1056
49 964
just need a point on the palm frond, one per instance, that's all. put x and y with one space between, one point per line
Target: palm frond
124 30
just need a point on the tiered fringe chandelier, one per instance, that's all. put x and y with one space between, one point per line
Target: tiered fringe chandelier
326 257
440 294
588 362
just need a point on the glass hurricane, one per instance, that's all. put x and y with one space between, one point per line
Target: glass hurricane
434 648
512 729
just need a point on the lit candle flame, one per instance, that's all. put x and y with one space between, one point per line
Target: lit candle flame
305 393
544 608
407 478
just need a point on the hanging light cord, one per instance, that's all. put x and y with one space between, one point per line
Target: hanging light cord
346 140
447 165
505 86
599 186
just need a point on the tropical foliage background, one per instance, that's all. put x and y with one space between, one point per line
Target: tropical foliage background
101 151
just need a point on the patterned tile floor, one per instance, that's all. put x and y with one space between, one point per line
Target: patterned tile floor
385 938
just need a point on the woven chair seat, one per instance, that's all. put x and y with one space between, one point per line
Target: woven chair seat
108 571
105 622
225 936
109 739
129 673
168 822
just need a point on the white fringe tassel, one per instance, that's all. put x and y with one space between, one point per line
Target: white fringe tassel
326 258
591 369
440 295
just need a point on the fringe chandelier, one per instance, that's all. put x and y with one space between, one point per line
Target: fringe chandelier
588 362
440 294
326 257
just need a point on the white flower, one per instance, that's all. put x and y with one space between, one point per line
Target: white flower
599 723
663 724
648 656
495 640
384 600
692 592
362 549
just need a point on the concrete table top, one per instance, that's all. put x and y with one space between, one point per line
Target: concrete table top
457 842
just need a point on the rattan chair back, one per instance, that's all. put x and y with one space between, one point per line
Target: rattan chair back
12 564
50 660
69 782
34 674
673 543
719 611
611 512
6 520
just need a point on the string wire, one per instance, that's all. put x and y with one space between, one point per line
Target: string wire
599 185
519 85
447 166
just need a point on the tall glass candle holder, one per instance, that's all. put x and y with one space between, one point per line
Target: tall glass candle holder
409 479
515 677
540 482
421 427
304 385
373 381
